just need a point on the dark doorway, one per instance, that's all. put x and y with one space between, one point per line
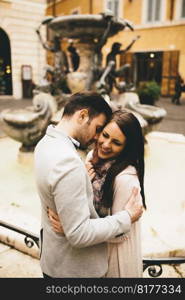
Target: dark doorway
5 64
169 72
149 66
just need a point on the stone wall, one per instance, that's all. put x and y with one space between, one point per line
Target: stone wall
19 19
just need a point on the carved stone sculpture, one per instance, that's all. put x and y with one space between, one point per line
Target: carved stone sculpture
28 125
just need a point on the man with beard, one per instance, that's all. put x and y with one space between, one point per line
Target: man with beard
65 187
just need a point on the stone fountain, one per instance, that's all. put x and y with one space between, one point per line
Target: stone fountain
28 126
89 34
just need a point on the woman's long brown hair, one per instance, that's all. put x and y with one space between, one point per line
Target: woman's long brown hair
132 154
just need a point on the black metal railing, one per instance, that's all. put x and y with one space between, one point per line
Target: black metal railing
154 266
30 237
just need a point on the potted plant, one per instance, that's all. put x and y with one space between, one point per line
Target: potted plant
148 92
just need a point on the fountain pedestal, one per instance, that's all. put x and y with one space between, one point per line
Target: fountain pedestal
77 81
88 30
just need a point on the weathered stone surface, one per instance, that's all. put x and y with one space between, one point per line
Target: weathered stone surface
29 125
15 264
162 224
19 21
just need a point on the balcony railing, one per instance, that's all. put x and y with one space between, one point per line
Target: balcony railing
154 266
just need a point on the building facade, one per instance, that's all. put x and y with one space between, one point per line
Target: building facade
159 53
21 54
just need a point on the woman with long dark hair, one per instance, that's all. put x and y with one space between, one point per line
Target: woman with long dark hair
116 166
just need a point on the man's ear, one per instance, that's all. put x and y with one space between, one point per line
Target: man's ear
83 116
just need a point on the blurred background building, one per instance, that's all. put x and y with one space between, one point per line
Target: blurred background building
160 52
158 55
21 55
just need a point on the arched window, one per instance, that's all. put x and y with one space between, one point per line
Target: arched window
5 64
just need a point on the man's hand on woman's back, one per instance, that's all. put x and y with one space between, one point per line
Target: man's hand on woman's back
134 206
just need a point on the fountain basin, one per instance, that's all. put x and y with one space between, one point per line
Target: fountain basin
21 125
85 26
28 125
152 114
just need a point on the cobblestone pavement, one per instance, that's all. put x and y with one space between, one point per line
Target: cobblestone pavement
16 264
12 103
175 119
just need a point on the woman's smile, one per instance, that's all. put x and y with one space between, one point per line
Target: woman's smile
111 141
104 152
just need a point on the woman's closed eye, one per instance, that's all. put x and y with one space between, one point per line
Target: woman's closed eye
117 143
105 135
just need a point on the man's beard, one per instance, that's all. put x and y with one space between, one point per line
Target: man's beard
89 146
83 147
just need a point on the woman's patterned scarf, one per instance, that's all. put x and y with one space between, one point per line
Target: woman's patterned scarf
97 183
